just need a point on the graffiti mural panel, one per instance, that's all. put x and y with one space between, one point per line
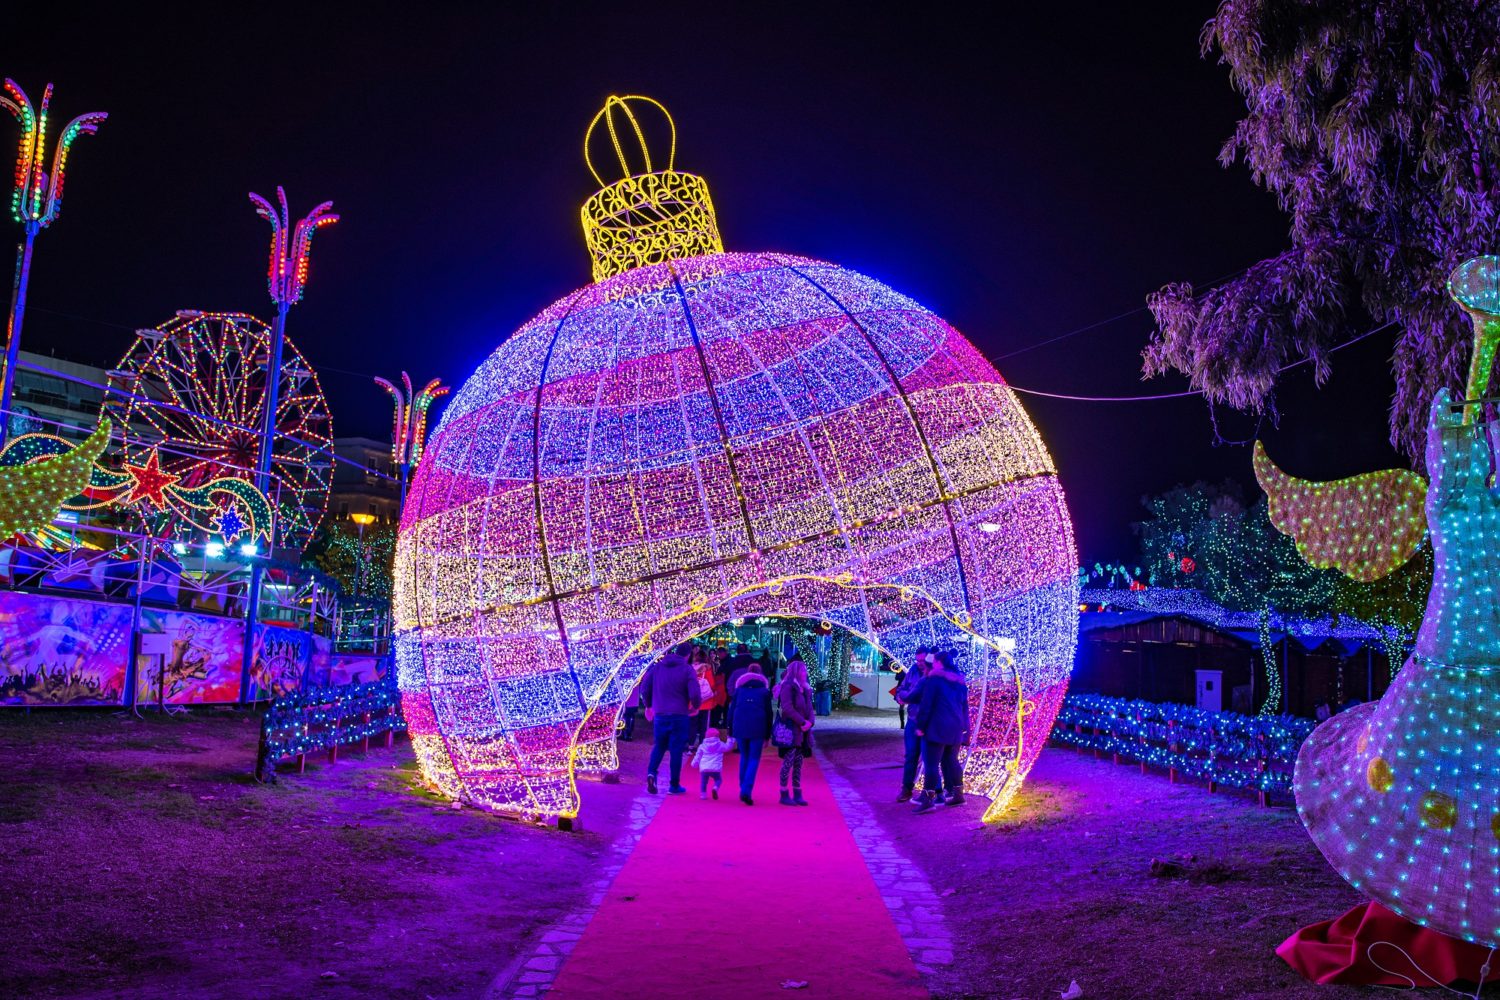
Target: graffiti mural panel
283 657
189 659
57 651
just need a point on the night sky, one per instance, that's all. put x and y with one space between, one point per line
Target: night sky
1024 176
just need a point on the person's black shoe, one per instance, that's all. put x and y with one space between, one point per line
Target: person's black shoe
651 783
676 790
955 796
927 803
797 799
747 800
716 794
786 798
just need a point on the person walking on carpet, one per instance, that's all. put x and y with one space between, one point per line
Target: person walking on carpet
943 726
670 695
709 760
738 664
794 698
719 718
750 725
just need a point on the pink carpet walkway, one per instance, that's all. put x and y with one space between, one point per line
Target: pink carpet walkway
727 901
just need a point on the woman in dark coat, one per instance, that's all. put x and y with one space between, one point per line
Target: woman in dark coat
750 724
794 697
943 726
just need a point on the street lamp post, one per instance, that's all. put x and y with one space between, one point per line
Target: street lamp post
363 552
35 200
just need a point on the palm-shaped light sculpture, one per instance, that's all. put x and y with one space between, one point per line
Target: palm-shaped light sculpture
36 199
286 279
409 431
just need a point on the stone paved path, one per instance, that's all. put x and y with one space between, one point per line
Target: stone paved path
913 905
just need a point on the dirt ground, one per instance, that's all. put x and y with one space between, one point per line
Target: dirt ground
144 861
1062 889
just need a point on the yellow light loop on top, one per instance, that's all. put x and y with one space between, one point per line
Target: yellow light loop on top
644 217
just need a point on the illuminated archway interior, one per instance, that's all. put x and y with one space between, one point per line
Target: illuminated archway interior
702 436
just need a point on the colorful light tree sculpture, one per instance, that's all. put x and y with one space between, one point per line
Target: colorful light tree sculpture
286 279
704 436
409 431
36 198
1403 795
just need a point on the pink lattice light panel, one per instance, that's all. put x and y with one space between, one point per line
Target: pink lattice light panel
732 433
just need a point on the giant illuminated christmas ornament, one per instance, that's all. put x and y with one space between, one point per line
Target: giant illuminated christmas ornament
702 436
1403 795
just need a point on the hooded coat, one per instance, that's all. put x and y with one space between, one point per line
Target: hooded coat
750 709
942 701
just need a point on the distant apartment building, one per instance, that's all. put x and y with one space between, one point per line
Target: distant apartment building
364 480
65 403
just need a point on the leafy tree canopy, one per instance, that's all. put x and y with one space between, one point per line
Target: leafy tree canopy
363 567
1239 559
1376 124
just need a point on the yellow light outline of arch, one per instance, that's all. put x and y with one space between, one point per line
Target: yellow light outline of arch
960 620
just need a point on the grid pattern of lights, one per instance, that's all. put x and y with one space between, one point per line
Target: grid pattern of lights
711 438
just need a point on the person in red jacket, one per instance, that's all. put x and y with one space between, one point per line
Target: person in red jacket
794 697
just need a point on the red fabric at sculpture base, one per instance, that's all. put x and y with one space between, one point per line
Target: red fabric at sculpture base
1339 951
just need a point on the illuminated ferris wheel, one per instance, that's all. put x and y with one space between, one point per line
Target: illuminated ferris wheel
190 395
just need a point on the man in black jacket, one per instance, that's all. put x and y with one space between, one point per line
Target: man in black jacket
942 724
670 694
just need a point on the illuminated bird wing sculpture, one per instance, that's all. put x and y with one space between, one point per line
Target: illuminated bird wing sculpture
1365 526
32 494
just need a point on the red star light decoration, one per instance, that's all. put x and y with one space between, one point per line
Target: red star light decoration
150 481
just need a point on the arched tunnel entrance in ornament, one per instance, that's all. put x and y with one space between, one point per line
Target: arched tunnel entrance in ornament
1011 709
849 672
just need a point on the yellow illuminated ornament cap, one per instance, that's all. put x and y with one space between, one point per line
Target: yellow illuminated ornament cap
653 212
